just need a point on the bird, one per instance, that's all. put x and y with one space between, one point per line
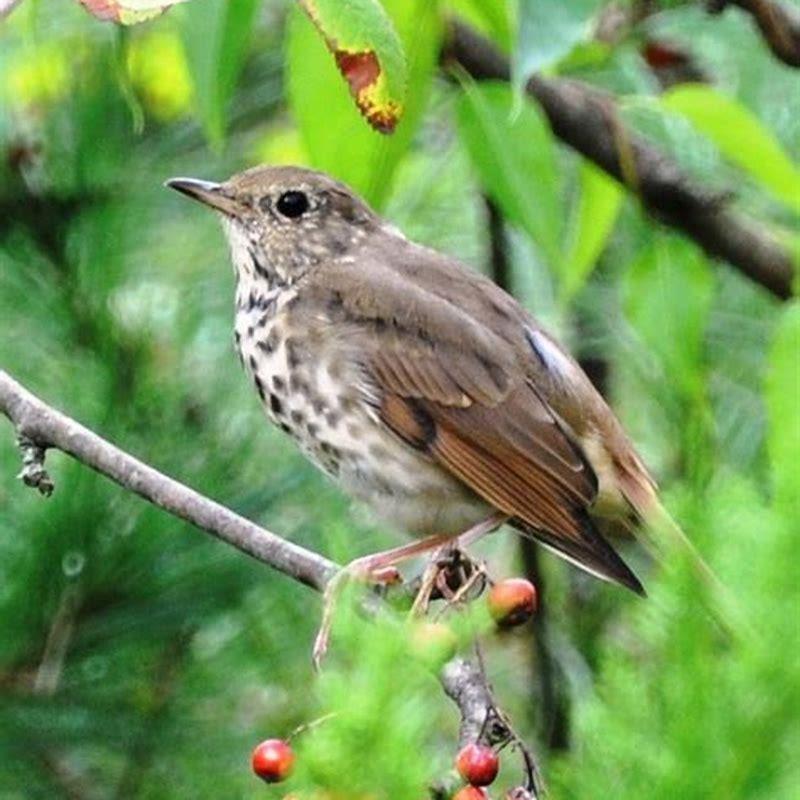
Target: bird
423 389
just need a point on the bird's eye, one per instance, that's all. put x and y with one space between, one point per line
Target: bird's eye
292 204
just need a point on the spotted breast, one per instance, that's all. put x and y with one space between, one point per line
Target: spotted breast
312 388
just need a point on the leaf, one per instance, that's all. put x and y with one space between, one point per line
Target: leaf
548 31
668 295
783 403
514 156
367 51
127 12
333 131
740 137
598 207
216 35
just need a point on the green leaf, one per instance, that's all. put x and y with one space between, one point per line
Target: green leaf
783 404
740 137
127 12
598 207
514 156
216 35
668 294
548 31
368 53
334 134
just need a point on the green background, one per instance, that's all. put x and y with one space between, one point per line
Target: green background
141 659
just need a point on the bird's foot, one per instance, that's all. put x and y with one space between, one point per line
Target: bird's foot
451 575
380 568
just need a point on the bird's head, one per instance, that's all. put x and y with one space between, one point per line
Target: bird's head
282 221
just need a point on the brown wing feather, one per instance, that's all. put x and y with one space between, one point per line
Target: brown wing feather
525 429
545 497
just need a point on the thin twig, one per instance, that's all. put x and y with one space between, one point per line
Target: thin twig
33 472
465 682
550 705
48 675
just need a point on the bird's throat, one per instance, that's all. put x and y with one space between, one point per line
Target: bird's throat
254 271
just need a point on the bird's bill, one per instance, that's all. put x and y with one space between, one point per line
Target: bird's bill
207 192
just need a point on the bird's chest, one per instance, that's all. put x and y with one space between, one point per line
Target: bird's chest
301 385
310 387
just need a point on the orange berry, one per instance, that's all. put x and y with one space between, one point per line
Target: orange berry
512 602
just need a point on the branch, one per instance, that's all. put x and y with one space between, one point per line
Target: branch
466 684
40 427
779 25
589 122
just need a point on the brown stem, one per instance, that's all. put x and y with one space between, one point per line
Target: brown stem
554 710
554 722
588 121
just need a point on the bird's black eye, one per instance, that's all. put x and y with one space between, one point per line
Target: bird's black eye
292 204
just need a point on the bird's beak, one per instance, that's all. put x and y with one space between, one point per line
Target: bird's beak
208 192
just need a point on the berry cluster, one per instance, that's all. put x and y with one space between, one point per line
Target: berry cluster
511 602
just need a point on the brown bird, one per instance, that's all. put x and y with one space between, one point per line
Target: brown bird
418 385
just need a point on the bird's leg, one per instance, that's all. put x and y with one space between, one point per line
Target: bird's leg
376 567
433 569
461 541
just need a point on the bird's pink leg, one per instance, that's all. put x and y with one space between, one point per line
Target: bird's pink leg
379 568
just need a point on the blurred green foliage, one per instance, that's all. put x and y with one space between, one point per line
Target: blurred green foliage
138 658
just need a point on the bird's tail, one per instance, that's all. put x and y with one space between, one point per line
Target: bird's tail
665 539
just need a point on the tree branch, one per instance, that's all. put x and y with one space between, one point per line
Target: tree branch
40 427
588 121
779 25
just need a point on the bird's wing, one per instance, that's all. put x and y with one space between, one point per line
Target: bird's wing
457 389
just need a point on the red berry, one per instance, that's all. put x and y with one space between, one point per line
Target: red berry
477 764
273 760
471 793
512 602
